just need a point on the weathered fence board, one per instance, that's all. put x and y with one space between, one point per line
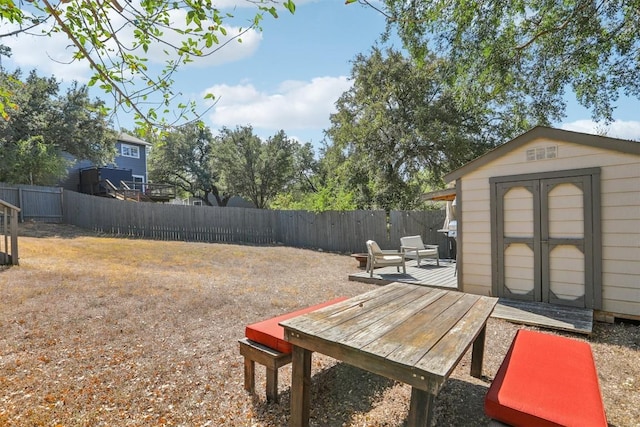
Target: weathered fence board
36 203
334 231
343 232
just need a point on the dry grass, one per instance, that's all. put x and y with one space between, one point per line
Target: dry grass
115 332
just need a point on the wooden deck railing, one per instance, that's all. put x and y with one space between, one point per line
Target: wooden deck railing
9 233
139 191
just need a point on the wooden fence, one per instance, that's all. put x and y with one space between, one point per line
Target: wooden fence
344 232
36 203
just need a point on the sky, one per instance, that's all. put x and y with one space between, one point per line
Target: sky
287 77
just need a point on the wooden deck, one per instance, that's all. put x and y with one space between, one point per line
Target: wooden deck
428 274
578 320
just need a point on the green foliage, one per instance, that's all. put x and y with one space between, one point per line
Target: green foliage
183 157
32 161
397 120
329 198
526 54
234 163
114 38
254 169
46 124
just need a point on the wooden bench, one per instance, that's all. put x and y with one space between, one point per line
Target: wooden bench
264 343
546 380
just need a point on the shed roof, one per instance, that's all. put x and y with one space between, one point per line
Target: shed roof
448 194
125 137
541 132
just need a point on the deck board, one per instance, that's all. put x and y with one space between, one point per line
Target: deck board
578 320
559 317
428 274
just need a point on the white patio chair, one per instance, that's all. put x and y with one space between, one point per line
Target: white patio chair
413 248
379 258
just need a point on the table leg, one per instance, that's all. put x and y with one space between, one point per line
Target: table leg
477 353
420 409
300 387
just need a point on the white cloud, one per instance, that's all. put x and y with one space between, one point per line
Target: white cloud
53 54
221 53
618 129
49 55
295 105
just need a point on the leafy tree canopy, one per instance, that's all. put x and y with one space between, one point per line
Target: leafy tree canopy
31 161
183 157
528 53
396 121
115 37
236 162
255 169
317 188
45 124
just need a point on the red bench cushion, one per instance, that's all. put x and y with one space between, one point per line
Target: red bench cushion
546 380
270 333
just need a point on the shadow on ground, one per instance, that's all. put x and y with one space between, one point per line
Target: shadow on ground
48 230
337 393
340 392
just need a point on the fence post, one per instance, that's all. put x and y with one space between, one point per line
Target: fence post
20 204
14 236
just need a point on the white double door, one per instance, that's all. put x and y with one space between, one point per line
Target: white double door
544 240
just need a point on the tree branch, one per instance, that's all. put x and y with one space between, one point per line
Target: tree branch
92 63
555 29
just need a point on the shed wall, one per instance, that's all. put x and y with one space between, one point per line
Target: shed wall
620 208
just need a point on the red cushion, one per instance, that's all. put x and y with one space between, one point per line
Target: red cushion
546 380
270 333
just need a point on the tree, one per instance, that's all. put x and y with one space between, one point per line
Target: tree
255 169
114 39
33 162
529 53
397 120
45 125
183 157
323 186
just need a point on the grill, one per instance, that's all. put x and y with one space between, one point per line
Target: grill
450 228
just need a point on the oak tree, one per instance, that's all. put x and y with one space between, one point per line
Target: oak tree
46 126
528 53
183 157
255 169
396 122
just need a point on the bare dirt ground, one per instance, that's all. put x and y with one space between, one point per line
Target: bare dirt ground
101 331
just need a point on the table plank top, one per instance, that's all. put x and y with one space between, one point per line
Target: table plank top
409 333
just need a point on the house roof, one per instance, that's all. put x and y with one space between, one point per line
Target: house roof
125 137
541 132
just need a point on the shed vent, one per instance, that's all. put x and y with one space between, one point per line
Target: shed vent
542 153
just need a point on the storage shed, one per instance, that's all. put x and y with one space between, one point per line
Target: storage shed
553 216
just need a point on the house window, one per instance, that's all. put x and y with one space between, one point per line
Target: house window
130 151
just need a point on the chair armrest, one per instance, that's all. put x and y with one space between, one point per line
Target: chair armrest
390 252
432 246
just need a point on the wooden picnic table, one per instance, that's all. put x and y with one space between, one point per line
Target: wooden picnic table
409 333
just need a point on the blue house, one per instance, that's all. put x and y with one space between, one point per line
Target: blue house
129 167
